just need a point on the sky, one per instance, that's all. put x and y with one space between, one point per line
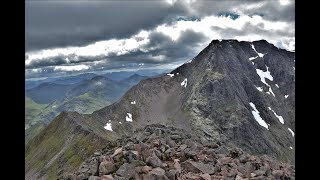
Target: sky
75 36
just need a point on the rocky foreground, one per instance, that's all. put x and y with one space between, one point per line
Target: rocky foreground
160 153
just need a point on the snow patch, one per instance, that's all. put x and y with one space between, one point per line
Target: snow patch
259 54
279 117
291 132
120 122
252 58
133 102
290 147
259 88
286 96
171 75
270 90
129 117
189 61
265 75
277 85
257 117
184 82
177 74
108 127
98 83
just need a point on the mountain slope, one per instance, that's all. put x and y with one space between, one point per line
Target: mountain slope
83 97
221 83
238 93
63 146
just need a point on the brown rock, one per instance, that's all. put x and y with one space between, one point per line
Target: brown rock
107 177
146 169
157 174
106 167
192 176
224 173
177 165
225 160
277 174
259 178
146 153
182 147
205 176
116 152
137 147
197 167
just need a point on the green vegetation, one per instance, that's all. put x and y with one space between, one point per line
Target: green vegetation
37 116
62 147
32 110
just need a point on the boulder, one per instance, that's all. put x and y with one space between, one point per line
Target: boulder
154 161
157 174
106 167
126 171
197 167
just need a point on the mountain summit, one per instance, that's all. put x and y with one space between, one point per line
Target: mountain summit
238 93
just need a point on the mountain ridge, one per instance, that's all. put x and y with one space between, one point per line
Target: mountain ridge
211 95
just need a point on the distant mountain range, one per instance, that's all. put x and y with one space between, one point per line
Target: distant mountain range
239 93
84 94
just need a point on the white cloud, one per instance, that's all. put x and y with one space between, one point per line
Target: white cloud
213 27
72 68
285 2
100 48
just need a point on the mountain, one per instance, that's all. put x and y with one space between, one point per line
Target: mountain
134 79
44 102
239 93
68 140
29 84
47 92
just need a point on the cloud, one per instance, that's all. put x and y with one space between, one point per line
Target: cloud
81 35
71 68
51 24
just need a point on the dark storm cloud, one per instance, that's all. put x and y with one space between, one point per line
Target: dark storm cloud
76 23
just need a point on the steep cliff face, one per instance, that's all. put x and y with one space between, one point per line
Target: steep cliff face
239 93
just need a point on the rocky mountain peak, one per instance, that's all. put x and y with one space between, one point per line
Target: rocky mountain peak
241 94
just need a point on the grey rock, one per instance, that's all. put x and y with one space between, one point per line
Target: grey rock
126 171
154 161
94 178
172 174
157 174
197 167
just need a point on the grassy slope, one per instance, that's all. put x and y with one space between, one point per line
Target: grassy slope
32 109
54 139
87 102
37 115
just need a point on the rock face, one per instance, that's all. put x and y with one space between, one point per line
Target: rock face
206 164
239 94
